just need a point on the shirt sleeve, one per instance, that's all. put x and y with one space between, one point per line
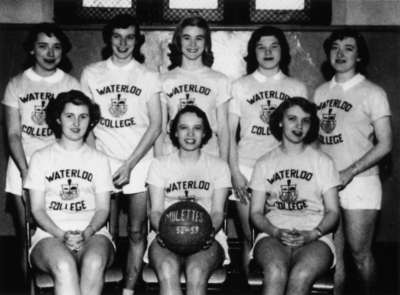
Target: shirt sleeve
222 176
153 84
10 95
257 181
378 106
224 90
84 85
103 180
234 103
155 175
329 175
36 173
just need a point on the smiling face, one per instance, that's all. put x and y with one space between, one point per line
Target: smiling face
295 124
344 56
74 121
268 53
190 132
192 42
123 44
47 52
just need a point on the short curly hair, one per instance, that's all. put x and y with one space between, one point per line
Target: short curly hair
251 59
175 46
362 48
199 113
57 105
123 21
307 106
49 29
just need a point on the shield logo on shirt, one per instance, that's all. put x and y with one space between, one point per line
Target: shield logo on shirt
266 111
39 113
185 101
288 192
328 122
118 106
69 191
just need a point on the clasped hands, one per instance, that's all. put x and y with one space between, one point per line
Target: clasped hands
294 237
74 239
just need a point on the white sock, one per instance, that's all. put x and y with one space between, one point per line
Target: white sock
127 291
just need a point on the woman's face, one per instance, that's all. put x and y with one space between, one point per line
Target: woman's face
295 124
123 42
190 132
344 55
47 51
193 42
268 53
74 121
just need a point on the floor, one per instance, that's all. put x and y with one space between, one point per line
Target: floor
386 256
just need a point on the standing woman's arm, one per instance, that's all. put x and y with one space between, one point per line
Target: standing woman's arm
383 135
13 122
158 146
122 175
217 207
156 205
223 131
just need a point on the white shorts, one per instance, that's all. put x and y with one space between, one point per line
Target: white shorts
137 182
247 172
41 234
364 192
220 237
327 239
13 179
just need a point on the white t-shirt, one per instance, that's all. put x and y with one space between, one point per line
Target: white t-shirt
254 98
204 88
70 180
122 94
30 93
347 112
294 185
199 180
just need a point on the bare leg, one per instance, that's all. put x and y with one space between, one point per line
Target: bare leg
244 219
136 236
274 259
308 262
52 256
199 267
340 269
96 255
167 267
359 228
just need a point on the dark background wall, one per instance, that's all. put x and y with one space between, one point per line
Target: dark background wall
229 47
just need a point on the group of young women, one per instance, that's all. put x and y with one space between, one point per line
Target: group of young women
73 144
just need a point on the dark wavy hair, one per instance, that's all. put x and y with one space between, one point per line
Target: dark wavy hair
49 29
362 49
57 105
251 60
123 21
199 113
175 46
307 106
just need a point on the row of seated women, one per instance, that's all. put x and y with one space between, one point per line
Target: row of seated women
127 129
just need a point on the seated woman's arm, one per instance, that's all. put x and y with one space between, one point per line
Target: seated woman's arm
156 205
100 216
217 208
37 200
331 216
257 214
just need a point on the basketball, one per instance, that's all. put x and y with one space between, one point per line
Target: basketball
185 227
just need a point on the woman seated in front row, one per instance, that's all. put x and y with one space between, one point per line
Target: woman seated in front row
69 185
294 204
190 131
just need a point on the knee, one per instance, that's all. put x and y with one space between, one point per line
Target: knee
136 236
361 254
168 269
301 276
196 274
64 268
275 272
94 264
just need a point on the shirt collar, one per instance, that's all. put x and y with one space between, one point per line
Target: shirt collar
127 67
262 78
349 83
54 78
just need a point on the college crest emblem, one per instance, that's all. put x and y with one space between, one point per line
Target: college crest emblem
118 106
288 192
185 101
69 191
266 111
328 122
39 113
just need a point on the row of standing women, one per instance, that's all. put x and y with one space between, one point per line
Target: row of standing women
283 181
